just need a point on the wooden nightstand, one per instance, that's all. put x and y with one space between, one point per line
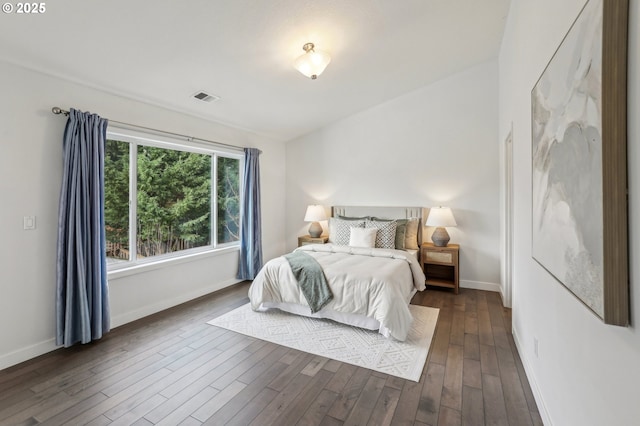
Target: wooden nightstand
308 239
440 265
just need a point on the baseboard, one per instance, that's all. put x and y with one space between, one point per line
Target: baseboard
49 345
480 285
128 317
542 408
24 354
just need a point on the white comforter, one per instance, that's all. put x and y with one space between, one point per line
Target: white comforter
376 283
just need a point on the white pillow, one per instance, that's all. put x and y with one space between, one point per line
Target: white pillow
362 237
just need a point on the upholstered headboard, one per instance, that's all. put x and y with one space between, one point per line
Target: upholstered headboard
383 212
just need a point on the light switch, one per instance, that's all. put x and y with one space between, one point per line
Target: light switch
29 223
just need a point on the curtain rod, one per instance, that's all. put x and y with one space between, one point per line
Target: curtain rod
58 111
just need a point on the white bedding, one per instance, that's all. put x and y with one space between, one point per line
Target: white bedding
413 252
370 287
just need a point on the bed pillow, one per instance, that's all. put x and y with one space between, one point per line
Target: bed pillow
386 235
352 218
401 231
340 232
411 234
362 237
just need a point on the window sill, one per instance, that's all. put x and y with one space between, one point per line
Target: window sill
163 263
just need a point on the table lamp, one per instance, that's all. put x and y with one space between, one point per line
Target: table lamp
440 217
315 213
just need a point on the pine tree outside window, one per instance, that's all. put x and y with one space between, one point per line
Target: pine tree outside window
184 198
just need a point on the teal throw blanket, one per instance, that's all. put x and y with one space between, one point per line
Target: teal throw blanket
311 279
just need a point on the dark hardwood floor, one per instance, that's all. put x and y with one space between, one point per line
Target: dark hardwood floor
174 369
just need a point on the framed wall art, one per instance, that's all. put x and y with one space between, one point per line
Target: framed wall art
579 161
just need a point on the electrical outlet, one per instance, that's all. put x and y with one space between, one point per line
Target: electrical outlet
535 346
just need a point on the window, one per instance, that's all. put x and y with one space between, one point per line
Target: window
187 198
228 211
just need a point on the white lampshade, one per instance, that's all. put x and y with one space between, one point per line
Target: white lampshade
313 62
315 213
440 216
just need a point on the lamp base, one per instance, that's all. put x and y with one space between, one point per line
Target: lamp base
315 230
440 237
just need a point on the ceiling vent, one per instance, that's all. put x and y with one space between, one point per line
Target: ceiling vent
205 97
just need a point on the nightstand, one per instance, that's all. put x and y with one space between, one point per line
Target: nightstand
440 265
308 239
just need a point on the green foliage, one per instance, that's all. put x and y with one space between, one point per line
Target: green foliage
228 200
116 195
173 200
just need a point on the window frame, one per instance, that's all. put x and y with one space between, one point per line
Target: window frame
135 138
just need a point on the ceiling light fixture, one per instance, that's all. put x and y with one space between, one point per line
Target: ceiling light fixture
313 62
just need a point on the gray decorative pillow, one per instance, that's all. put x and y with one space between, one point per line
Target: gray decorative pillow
401 233
353 218
386 236
340 230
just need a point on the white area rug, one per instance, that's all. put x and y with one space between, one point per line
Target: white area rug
344 343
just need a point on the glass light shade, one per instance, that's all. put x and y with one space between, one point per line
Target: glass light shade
315 213
313 62
440 216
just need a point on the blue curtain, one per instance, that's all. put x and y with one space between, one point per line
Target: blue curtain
251 222
82 300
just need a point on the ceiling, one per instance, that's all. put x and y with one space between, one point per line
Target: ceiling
164 51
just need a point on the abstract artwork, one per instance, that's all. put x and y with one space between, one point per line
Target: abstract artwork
579 222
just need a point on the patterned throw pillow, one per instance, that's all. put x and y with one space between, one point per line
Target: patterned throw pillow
401 230
340 230
386 236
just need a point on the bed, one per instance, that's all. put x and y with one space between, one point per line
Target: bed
371 286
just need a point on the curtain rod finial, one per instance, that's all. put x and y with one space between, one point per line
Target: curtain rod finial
58 110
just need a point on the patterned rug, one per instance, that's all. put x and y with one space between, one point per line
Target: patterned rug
344 343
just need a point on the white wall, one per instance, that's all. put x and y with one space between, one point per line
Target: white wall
31 170
586 372
434 146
